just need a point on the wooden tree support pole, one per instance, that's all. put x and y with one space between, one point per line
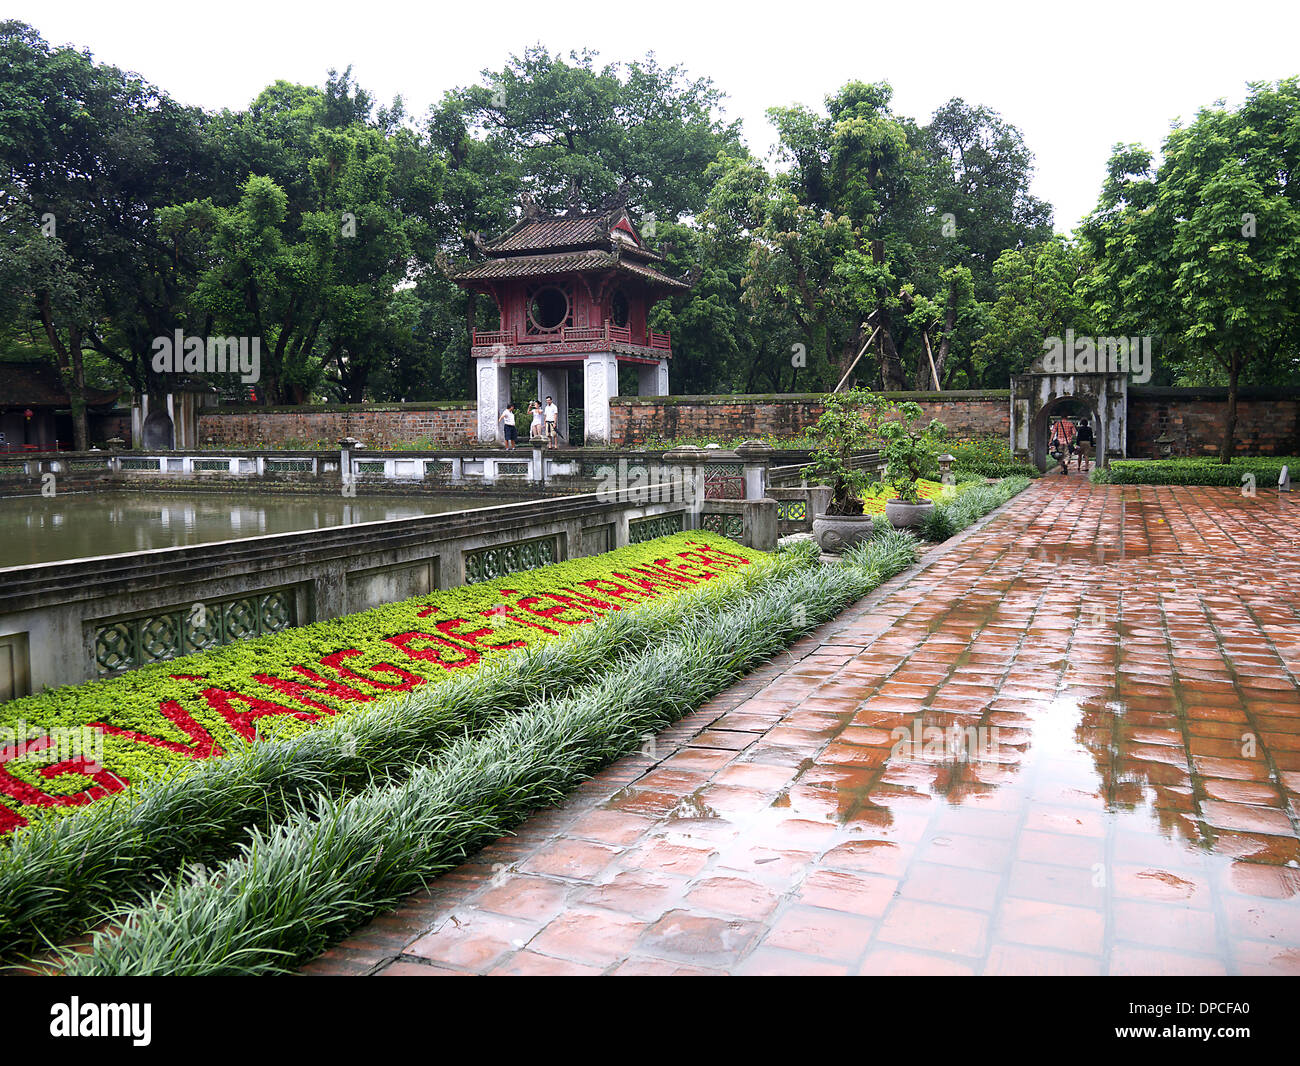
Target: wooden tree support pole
855 361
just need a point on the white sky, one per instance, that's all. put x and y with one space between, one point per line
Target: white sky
1075 81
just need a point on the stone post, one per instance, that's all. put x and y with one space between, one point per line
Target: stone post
554 381
652 380
493 396
345 460
756 456
600 380
687 463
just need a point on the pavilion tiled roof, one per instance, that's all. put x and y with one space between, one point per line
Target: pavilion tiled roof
562 263
539 245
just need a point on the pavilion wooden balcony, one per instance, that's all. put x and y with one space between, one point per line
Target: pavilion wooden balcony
576 341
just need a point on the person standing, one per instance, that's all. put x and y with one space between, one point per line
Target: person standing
1061 442
535 426
508 417
1083 444
552 418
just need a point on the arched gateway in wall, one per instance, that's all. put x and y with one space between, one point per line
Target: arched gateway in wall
1040 394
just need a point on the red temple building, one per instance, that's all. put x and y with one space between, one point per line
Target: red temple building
570 290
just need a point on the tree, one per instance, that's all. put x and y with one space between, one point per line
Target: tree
1205 250
89 152
576 133
39 279
1041 291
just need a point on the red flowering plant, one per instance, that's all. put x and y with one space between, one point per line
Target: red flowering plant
161 718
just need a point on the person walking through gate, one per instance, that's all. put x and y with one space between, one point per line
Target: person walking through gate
1083 444
1061 442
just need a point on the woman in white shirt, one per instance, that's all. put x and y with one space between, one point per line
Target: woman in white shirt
535 409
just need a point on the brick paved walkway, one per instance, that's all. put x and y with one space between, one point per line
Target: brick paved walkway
1127 802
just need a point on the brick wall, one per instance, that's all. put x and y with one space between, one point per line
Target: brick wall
1268 421
446 425
966 414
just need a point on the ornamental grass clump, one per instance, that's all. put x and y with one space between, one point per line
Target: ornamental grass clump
973 502
333 862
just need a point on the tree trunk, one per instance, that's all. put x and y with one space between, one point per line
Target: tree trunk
77 392
892 376
1230 423
848 352
71 371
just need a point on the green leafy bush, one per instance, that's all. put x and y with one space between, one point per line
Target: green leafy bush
987 457
1194 471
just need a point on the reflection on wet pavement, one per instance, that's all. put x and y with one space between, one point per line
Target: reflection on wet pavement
1071 744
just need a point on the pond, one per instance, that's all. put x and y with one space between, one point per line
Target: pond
38 529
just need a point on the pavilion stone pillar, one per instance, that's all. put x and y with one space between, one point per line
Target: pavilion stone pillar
554 381
493 395
600 381
653 380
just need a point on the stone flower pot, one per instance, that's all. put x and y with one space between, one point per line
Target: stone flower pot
907 515
835 534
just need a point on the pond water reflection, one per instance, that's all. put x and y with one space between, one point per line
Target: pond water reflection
38 529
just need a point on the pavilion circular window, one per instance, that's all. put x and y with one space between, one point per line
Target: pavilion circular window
548 310
620 310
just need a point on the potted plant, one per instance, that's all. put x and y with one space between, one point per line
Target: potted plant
847 425
909 452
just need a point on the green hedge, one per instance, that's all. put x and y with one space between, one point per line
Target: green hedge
163 718
987 457
1187 471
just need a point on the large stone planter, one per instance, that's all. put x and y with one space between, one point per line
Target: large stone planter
907 515
836 534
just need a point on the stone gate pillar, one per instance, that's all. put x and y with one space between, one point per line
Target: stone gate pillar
493 395
600 383
554 381
653 380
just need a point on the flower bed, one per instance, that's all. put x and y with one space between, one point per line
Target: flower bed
165 717
331 864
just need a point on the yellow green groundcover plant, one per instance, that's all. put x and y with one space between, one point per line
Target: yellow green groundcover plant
880 494
162 717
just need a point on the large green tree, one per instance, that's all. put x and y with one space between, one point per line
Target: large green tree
86 153
1204 249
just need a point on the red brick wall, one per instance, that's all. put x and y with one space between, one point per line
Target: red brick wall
1266 425
635 421
448 426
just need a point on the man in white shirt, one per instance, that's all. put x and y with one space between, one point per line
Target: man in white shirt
508 417
552 417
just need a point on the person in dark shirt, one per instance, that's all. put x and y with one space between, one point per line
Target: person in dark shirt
1083 442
